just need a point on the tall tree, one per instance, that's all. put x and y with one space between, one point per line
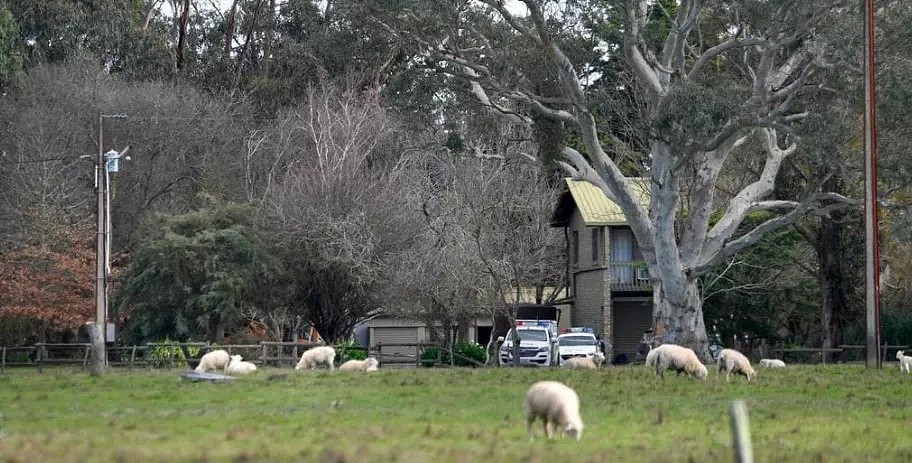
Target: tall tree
717 79
48 288
192 272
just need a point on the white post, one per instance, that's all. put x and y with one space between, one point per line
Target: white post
741 441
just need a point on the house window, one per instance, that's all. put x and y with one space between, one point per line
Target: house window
574 247
622 255
596 242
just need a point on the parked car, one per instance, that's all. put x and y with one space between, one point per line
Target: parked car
537 343
577 343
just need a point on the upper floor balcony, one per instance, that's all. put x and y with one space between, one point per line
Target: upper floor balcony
630 276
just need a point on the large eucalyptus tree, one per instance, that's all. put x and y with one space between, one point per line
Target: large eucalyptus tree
719 83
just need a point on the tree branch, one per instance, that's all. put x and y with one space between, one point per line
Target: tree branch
717 50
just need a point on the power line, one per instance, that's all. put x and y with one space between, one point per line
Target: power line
35 161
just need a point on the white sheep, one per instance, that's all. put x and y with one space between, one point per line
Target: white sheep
584 362
680 359
323 355
237 366
558 407
369 364
772 363
905 362
653 353
735 362
214 360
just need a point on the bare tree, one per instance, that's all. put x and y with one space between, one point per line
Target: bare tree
335 203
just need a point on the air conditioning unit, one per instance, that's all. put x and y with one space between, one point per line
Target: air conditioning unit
642 274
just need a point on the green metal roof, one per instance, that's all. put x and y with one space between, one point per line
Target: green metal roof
596 208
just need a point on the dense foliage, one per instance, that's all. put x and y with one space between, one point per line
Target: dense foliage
302 162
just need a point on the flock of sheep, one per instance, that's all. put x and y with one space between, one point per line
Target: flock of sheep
323 355
552 402
557 405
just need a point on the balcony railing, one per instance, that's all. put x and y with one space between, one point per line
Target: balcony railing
630 276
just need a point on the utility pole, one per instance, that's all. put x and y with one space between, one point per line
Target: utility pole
97 330
873 357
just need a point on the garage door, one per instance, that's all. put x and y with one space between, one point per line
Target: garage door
631 319
398 335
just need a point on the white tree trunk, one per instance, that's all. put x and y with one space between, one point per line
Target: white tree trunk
678 316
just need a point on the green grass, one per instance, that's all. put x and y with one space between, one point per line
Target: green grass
801 413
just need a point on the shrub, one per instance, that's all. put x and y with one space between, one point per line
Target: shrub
158 355
466 350
429 356
349 350
463 350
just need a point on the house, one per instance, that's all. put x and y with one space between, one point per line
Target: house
388 329
609 284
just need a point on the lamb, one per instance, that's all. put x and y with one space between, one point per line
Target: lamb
323 355
772 363
680 359
369 364
215 360
734 361
905 362
558 407
237 366
584 362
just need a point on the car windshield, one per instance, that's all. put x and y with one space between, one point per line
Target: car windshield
576 341
532 335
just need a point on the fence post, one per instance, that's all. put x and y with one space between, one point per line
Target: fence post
741 441
294 354
380 352
38 354
132 356
85 358
2 359
171 355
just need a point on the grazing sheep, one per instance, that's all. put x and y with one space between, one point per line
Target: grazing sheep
369 364
680 359
215 360
323 355
905 362
237 366
734 361
653 354
772 363
584 362
558 407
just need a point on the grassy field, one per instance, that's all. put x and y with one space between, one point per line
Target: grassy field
798 414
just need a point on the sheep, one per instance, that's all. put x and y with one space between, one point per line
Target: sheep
369 364
558 407
905 362
584 362
237 366
653 353
214 360
681 359
734 361
323 355
772 363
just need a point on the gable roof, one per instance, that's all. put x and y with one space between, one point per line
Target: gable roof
595 208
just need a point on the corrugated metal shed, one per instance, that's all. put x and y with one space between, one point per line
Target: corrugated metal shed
596 209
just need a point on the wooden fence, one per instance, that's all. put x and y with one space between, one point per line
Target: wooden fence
172 354
153 355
